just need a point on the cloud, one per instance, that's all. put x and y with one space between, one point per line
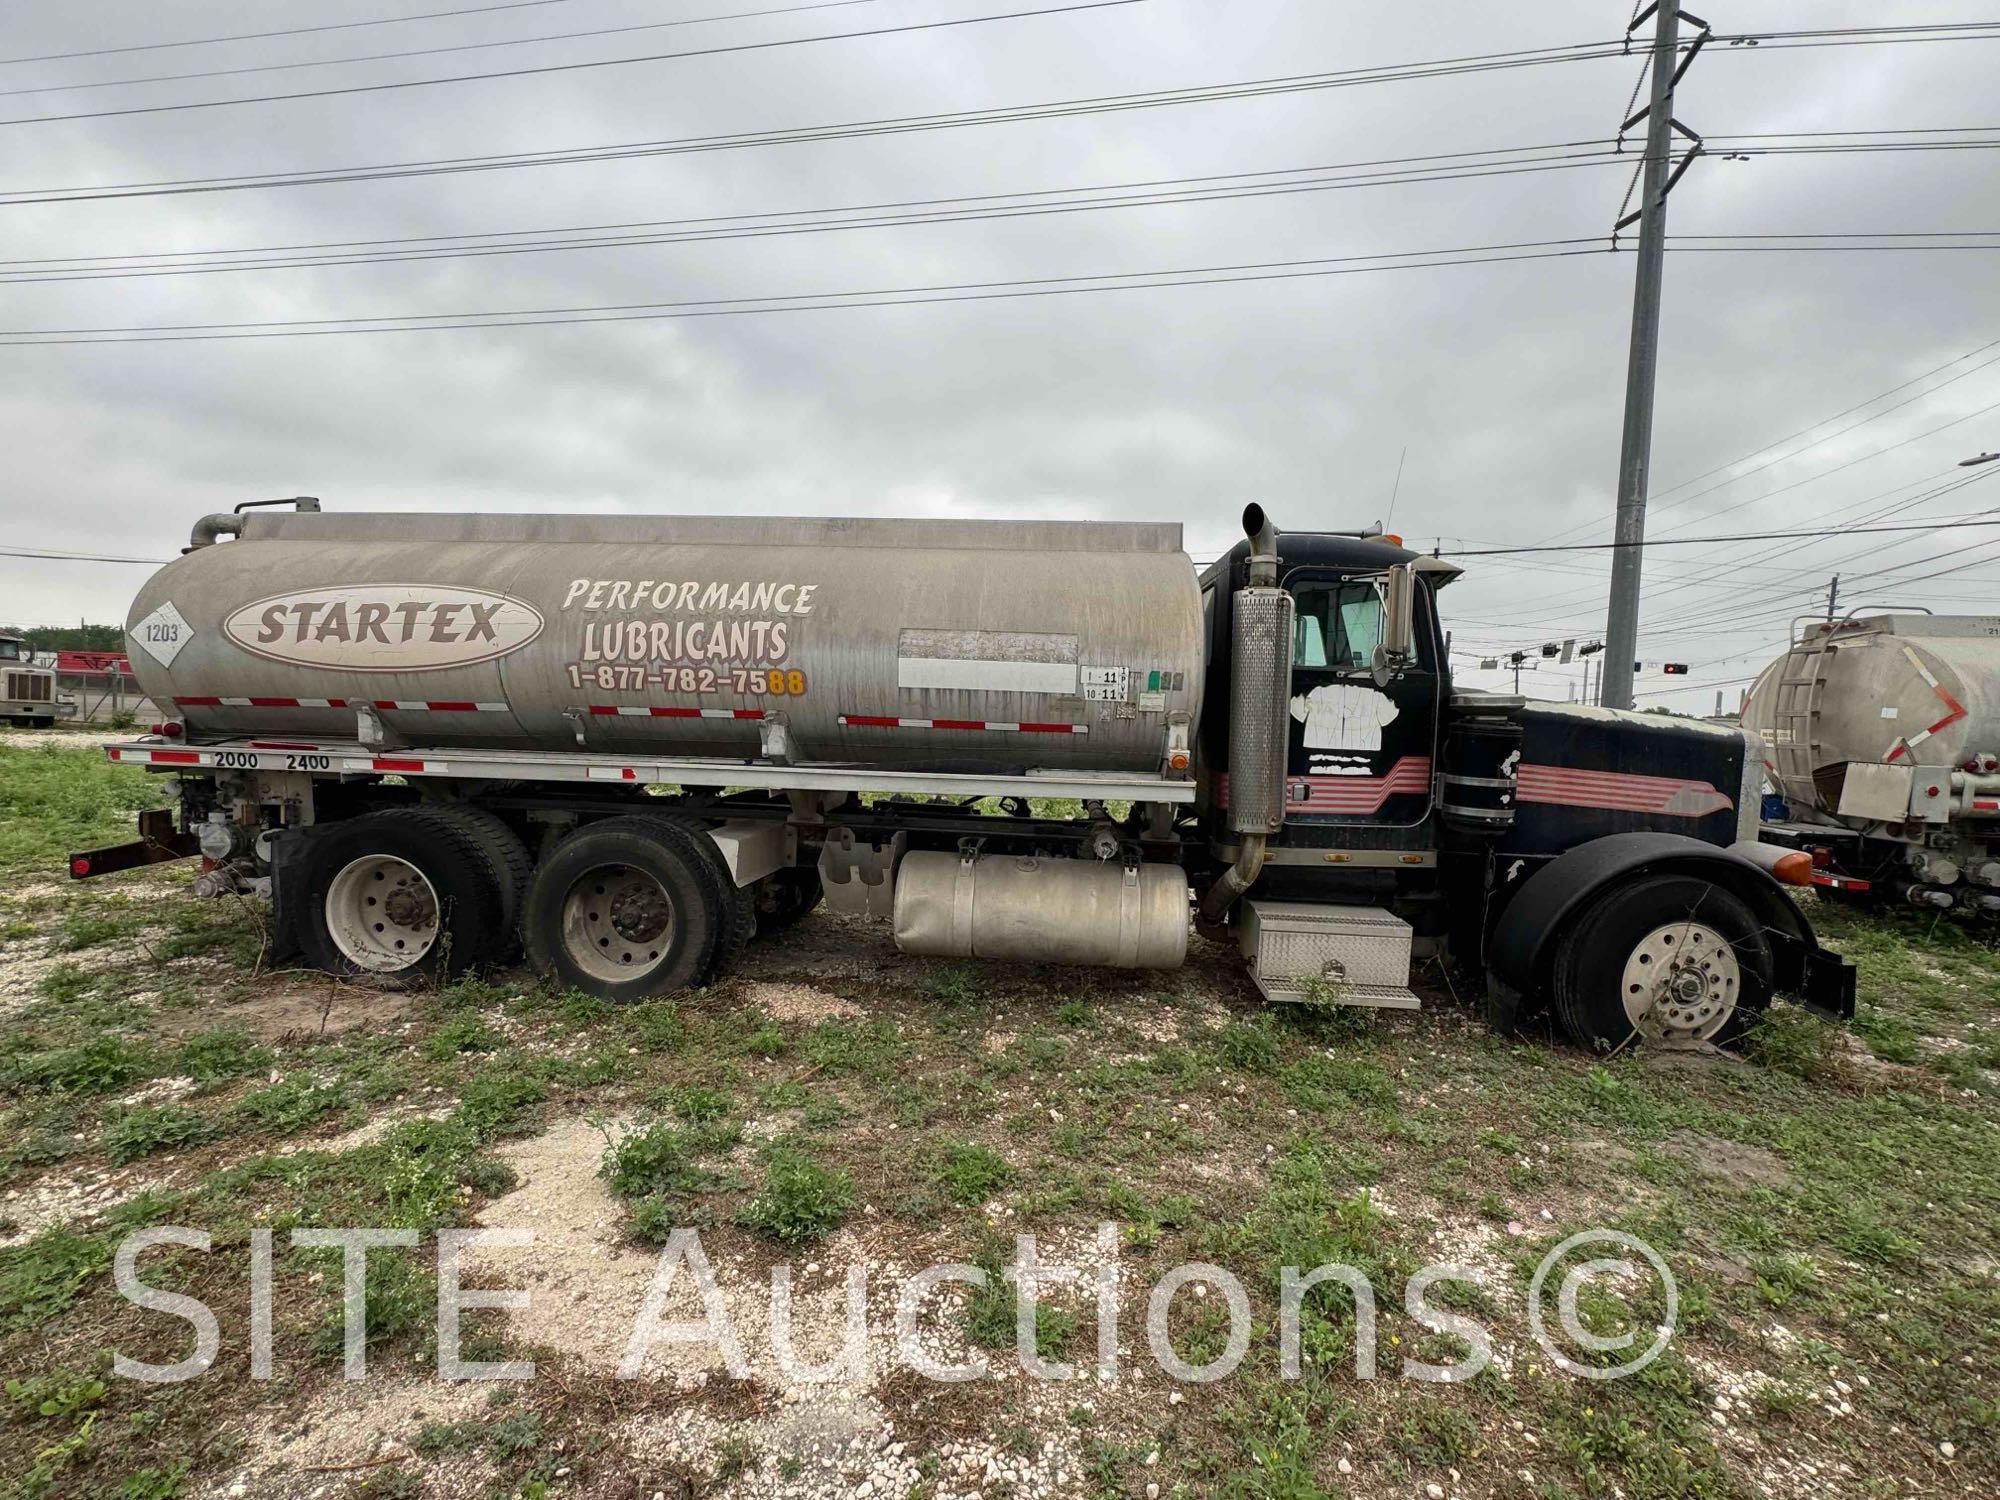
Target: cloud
1505 383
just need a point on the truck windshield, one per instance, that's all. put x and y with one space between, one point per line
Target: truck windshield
1339 625
10 650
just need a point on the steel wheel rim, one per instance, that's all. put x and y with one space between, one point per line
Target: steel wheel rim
1682 980
618 923
382 913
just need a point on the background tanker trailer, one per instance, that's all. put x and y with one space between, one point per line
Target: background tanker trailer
1884 736
630 744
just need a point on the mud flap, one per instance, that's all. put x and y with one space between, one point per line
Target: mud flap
1821 981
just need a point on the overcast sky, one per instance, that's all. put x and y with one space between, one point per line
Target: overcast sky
1503 382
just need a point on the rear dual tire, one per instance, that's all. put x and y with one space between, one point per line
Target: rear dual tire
400 898
628 908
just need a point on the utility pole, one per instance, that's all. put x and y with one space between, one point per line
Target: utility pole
1621 639
1832 597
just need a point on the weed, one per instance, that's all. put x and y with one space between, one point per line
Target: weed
656 1026
970 1173
220 1054
496 1097
869 1048
801 1199
1889 1037
1789 1040
1248 1047
290 1104
761 1036
153 1127
1782 1279
957 985
40 1278
460 1034
95 1066
696 1104
734 1456
992 1309
62 1394
398 1298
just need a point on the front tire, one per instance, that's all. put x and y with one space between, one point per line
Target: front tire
1669 958
401 897
625 909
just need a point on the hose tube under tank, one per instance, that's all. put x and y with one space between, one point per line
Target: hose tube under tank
1260 679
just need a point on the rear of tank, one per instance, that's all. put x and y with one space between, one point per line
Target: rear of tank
935 644
1901 689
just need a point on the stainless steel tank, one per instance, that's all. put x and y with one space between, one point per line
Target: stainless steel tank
940 644
1899 688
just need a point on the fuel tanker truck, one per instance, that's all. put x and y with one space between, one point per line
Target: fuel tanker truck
1884 736
632 744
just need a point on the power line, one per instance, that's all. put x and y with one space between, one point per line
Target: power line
522 41
809 301
1172 192
731 141
151 562
1748 536
1155 182
546 68
258 36
1436 167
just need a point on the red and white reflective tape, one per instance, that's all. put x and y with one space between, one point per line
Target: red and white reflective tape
395 763
656 712
156 757
424 705
1986 804
613 773
1006 726
1957 710
1839 882
1618 791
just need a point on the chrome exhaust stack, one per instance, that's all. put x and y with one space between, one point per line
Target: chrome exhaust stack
1260 687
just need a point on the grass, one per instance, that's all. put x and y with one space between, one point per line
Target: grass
54 800
1840 1183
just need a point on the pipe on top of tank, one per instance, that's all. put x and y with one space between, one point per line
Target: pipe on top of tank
211 529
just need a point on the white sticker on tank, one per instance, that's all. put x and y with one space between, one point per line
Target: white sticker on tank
986 661
1891 712
1107 684
162 634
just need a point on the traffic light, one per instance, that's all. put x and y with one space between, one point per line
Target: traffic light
1675 668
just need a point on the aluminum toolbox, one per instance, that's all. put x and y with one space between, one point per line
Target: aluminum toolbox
1364 951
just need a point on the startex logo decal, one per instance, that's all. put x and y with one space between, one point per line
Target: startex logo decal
384 627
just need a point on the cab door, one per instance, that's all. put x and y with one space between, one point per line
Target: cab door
1358 749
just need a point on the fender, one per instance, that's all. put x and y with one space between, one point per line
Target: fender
1524 939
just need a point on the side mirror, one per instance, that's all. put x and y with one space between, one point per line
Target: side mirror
1399 621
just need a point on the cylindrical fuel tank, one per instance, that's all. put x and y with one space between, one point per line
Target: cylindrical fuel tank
1059 911
949 645
1911 689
